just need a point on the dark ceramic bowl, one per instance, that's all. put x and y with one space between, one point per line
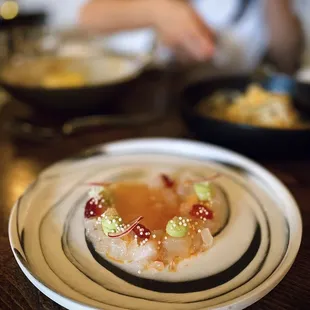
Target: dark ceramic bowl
250 140
303 95
108 72
72 99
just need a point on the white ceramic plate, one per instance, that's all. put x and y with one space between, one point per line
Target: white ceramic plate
250 256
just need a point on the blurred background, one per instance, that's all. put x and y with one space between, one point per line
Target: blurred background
71 65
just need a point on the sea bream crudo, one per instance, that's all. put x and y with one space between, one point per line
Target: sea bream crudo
157 224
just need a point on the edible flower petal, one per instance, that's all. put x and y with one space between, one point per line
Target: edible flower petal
168 182
207 179
100 184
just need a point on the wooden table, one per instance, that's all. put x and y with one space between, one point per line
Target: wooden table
21 163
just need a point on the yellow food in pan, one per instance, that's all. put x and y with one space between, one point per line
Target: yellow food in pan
63 80
256 107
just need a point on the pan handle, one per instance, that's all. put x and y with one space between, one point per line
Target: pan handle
90 122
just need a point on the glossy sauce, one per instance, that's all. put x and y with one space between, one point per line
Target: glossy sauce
157 206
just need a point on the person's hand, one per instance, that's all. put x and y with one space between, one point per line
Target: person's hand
181 29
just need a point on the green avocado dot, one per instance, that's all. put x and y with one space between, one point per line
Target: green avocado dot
203 191
177 227
110 224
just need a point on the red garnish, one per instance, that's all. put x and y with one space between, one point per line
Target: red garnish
167 181
94 208
142 232
202 212
132 225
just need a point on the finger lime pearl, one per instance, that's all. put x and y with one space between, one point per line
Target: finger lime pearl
177 227
203 191
111 224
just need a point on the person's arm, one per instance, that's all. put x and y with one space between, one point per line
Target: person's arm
286 37
177 24
115 15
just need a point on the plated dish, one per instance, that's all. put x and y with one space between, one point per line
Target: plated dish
116 228
155 224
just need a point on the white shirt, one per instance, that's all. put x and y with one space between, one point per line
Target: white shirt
241 46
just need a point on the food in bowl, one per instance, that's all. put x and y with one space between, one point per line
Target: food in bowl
63 79
54 72
157 224
255 107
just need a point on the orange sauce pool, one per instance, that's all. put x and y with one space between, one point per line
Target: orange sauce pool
157 206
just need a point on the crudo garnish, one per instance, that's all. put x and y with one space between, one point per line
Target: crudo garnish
202 212
123 230
142 232
177 227
111 224
94 208
154 226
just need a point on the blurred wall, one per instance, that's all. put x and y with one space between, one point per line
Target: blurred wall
303 10
62 14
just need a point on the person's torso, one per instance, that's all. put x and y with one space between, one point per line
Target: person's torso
242 35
